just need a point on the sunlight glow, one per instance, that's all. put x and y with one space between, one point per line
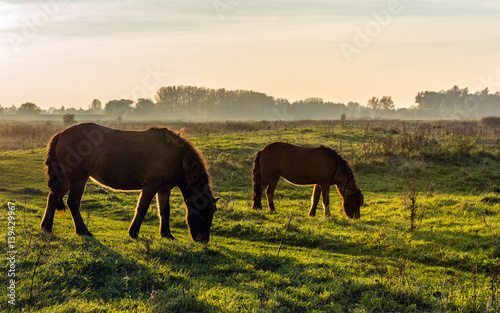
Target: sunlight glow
338 50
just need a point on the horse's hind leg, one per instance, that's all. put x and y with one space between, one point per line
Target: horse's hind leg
326 199
74 199
162 202
54 201
257 197
270 193
315 199
145 198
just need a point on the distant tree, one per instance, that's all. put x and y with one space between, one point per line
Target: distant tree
144 107
61 110
353 108
456 92
29 108
1 109
343 117
455 103
117 107
69 119
11 110
314 100
281 108
429 99
353 105
166 98
386 103
96 106
282 102
373 103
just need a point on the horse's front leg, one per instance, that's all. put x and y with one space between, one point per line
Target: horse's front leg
162 202
74 200
145 198
315 199
326 199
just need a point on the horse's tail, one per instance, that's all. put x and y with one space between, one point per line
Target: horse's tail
55 174
256 177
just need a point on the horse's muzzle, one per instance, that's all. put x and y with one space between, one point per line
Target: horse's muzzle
354 216
201 238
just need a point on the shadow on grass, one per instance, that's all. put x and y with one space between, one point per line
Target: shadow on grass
166 276
270 283
90 271
446 248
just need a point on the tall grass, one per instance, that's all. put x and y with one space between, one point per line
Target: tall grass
26 135
15 135
428 141
379 136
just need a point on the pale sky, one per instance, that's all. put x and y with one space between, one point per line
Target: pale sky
68 52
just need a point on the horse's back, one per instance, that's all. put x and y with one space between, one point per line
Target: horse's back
116 158
297 164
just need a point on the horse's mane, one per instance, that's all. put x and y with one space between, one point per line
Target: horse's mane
174 138
193 162
344 173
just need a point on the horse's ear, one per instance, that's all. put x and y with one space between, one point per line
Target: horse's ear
216 199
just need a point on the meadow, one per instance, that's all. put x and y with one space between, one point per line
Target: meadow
427 240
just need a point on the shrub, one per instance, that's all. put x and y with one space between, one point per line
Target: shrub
69 119
490 121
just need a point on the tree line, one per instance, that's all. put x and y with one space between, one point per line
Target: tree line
200 103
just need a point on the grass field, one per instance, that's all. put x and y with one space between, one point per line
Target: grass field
427 240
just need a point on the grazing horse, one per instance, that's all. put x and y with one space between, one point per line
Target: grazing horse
321 167
153 161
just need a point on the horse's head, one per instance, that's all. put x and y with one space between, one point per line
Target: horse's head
200 212
352 201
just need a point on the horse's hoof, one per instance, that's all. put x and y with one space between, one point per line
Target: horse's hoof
167 236
46 229
87 234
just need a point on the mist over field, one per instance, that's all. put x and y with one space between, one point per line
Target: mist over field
189 103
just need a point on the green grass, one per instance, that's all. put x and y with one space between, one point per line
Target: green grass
449 263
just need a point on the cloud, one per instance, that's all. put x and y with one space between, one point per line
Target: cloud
93 18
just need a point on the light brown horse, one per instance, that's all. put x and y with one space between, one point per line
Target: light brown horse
153 161
321 167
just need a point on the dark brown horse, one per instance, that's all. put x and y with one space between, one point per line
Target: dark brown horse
321 167
153 161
